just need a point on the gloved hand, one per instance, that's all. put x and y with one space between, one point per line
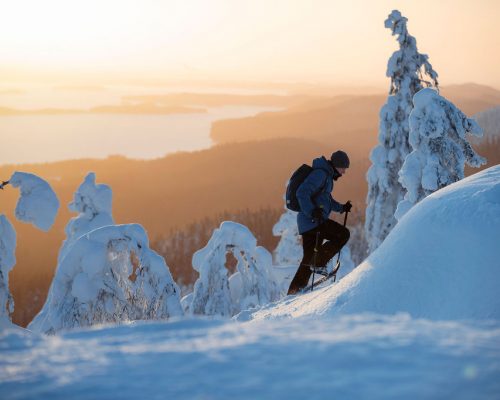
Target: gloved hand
317 214
346 207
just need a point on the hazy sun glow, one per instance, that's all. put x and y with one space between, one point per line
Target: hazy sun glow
320 40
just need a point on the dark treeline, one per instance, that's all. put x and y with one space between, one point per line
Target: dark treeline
179 245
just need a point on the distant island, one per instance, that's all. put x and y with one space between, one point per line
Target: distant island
222 99
141 108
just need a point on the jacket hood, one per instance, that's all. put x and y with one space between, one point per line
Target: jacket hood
322 163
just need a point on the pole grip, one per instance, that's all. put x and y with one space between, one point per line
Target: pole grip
345 218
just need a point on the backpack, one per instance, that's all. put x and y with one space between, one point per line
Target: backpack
295 181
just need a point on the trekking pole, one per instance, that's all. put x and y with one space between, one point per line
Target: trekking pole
316 245
337 266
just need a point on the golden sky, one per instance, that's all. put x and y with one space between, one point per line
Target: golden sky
341 42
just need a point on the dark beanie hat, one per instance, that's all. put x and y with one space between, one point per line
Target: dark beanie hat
339 159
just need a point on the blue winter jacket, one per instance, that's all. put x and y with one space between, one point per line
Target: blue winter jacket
315 192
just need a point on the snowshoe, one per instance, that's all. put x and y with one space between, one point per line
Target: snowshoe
318 270
329 275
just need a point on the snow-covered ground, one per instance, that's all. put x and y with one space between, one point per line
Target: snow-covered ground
419 319
349 357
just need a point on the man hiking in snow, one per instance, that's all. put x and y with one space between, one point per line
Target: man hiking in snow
316 204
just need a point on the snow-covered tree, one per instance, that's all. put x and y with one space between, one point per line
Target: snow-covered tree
7 262
109 275
289 250
38 204
489 121
253 284
438 136
93 204
409 71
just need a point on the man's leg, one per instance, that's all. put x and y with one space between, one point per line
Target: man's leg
303 273
336 236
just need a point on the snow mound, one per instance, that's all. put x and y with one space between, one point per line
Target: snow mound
38 203
441 261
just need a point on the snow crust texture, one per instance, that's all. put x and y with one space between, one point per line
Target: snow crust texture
441 262
350 357
109 275
38 203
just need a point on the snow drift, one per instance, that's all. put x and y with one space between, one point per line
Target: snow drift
441 261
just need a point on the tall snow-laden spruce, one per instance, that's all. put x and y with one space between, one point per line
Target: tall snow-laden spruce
409 71
438 136
252 285
93 204
109 275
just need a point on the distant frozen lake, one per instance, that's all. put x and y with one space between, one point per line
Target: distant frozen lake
45 138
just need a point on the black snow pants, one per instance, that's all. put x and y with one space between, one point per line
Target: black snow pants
332 237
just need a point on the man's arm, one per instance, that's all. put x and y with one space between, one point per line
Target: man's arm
341 208
336 206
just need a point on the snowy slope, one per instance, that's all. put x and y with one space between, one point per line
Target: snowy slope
441 261
350 357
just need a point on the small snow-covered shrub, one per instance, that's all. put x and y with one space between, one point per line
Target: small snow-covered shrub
253 285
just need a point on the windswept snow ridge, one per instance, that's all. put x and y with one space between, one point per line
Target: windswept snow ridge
441 261
38 203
